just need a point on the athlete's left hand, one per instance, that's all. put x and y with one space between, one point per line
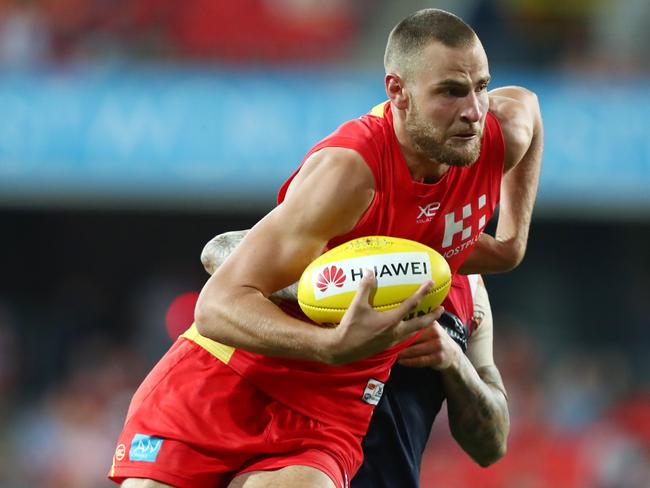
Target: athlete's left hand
432 349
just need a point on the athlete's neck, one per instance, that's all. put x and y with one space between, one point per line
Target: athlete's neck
423 169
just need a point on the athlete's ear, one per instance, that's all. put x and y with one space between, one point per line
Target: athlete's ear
395 90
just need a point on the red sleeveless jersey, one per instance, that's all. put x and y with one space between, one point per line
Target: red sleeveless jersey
448 216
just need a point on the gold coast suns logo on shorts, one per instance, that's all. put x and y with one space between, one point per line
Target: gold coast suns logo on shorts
120 452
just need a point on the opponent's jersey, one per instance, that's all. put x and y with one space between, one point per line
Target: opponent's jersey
448 216
401 423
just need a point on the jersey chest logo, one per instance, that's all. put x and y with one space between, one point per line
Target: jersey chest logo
427 212
463 226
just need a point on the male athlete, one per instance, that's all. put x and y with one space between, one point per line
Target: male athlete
413 395
255 396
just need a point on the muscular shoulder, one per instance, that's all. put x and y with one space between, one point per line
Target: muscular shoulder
517 110
336 184
342 167
365 129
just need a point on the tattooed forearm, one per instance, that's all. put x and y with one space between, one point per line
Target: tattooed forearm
478 411
288 293
220 247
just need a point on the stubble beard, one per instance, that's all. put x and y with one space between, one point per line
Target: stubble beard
428 140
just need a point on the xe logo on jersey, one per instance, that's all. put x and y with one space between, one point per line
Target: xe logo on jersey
145 448
427 212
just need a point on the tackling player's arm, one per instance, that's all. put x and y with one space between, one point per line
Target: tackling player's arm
476 397
326 199
519 115
221 246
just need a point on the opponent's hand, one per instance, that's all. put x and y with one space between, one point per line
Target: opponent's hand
434 348
365 331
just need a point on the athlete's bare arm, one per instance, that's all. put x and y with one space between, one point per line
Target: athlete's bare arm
518 112
476 397
326 199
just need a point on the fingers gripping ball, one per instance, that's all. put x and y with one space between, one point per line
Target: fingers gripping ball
329 283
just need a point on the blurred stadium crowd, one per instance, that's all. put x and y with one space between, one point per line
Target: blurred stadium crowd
580 34
84 310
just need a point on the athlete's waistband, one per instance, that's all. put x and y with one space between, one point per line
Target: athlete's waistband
218 350
224 353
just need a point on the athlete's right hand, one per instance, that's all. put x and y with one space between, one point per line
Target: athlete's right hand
365 331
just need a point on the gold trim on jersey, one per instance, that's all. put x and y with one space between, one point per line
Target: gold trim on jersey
222 352
378 110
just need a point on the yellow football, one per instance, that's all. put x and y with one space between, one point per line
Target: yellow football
329 283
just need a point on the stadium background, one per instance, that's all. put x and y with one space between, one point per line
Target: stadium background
134 131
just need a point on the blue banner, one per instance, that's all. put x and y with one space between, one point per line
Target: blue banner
202 136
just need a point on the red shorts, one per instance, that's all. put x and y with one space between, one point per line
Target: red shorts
194 422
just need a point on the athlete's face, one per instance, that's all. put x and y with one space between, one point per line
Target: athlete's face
449 103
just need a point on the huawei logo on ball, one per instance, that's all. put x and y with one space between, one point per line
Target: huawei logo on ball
330 276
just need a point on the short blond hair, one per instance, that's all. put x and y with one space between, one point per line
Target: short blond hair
411 35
